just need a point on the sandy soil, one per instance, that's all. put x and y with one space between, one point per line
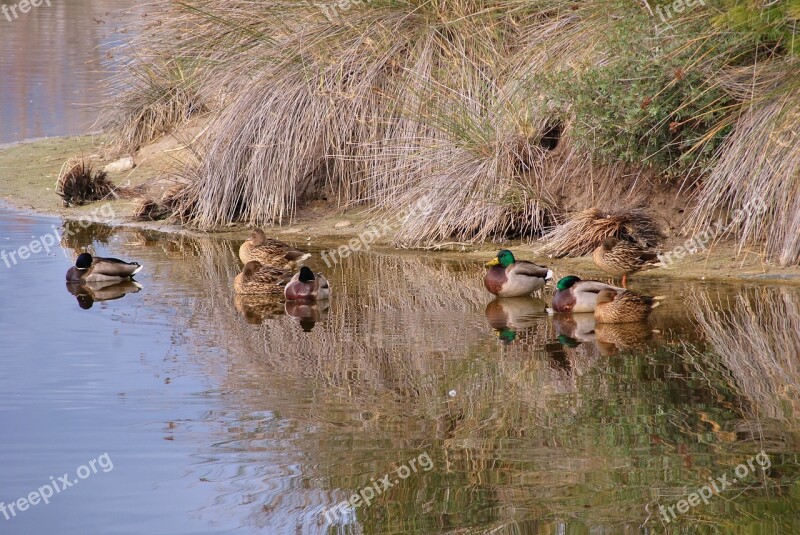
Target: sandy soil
28 173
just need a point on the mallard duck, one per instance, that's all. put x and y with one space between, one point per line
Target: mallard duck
508 277
96 269
576 295
623 307
305 286
270 252
620 257
256 278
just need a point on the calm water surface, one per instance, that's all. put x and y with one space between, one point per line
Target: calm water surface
223 415
54 61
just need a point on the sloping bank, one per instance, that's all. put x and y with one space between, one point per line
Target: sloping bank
28 173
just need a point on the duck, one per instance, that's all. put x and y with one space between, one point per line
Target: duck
270 252
257 278
95 269
620 257
624 307
576 295
509 277
306 286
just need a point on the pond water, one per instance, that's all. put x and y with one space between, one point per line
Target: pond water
54 62
180 409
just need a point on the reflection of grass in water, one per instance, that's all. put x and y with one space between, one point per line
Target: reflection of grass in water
532 434
80 237
757 335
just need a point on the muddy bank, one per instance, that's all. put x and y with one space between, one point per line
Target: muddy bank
28 173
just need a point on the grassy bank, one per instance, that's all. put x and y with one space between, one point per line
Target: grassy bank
28 173
505 116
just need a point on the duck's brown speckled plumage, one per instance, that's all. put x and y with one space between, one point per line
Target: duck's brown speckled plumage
256 278
619 257
623 307
270 252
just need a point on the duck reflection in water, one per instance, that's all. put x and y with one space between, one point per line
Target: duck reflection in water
615 337
308 313
508 315
573 330
255 308
87 293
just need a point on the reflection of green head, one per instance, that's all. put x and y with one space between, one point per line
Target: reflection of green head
507 335
565 340
567 282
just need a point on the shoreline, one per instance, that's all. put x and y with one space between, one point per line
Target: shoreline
28 171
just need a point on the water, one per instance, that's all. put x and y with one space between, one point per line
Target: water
54 62
223 415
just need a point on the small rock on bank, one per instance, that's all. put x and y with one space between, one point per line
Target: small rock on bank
120 166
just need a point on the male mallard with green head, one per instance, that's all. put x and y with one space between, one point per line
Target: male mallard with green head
256 278
624 307
270 252
96 269
620 257
306 286
508 277
576 295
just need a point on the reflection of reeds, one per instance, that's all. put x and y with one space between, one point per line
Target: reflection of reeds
534 430
757 335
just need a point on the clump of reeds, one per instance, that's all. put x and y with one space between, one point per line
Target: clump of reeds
585 231
167 205
756 183
79 184
158 96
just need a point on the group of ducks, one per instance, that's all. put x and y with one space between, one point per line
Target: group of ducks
270 264
508 277
268 270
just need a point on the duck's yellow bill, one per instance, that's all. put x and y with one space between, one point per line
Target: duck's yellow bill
493 262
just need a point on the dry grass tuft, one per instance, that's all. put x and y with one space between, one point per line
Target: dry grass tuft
758 172
168 205
584 231
79 184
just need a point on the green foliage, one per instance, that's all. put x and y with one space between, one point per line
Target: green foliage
771 24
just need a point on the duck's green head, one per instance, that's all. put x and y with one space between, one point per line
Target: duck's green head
567 282
84 261
504 258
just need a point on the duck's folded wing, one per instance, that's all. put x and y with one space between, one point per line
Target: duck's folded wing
114 267
597 287
529 269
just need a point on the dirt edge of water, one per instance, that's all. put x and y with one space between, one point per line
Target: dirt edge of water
28 173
